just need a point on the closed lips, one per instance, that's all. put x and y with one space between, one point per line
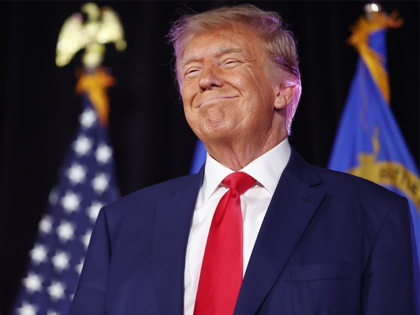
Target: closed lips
213 98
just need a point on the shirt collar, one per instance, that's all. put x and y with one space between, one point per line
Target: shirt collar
266 169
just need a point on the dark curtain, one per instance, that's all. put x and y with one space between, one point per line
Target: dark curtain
151 138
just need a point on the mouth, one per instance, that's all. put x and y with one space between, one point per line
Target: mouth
214 98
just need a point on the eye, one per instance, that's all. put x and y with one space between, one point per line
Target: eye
230 62
191 72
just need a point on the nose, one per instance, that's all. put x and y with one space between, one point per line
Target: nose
210 78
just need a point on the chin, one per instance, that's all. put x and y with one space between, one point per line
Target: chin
217 134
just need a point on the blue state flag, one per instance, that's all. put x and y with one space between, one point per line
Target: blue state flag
369 142
86 183
199 158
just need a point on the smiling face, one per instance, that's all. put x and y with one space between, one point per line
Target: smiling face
226 92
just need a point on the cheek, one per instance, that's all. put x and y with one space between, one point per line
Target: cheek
249 83
185 101
242 80
187 94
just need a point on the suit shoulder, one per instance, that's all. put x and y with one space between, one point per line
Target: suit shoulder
342 185
353 185
149 196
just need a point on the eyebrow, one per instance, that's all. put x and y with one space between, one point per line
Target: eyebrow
220 52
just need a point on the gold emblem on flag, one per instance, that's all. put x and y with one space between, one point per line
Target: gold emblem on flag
387 173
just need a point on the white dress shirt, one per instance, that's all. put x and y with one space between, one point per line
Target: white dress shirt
267 170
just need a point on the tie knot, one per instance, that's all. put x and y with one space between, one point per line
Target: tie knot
239 181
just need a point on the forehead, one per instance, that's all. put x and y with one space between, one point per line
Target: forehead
219 41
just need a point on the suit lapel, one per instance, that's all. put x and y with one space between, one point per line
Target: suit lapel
294 202
172 226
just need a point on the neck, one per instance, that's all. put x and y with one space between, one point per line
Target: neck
236 155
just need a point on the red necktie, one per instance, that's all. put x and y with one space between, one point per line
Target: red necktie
222 269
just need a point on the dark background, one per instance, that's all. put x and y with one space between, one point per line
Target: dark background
152 141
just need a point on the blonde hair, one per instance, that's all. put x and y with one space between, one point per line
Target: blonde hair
276 39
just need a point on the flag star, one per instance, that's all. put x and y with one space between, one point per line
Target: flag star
86 238
39 253
79 267
70 201
60 261
100 182
56 290
82 145
87 118
76 173
103 153
32 282
65 231
45 225
27 309
52 312
93 210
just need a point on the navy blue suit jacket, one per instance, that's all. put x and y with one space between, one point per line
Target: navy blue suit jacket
330 243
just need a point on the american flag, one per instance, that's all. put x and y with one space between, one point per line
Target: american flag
86 183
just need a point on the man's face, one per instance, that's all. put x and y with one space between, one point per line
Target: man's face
226 92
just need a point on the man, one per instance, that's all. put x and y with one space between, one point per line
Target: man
308 241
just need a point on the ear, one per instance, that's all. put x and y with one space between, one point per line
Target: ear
284 96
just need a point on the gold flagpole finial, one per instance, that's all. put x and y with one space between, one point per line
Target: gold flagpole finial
371 9
101 26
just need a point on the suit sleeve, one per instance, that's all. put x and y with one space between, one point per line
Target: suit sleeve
390 277
91 290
